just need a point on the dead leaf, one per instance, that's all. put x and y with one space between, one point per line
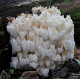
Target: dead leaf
62 72
30 75
6 48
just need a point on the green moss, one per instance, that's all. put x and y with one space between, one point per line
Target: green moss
48 2
62 11
75 15
66 1
55 3
37 4
11 71
1 32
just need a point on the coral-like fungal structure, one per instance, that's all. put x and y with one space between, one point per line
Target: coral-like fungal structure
41 39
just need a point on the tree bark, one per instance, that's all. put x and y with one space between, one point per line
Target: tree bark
14 8
70 6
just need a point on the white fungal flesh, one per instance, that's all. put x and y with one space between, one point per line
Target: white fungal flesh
41 41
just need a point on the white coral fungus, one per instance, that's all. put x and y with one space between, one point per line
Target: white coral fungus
41 41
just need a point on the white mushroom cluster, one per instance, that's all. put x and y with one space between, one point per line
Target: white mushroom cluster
41 41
